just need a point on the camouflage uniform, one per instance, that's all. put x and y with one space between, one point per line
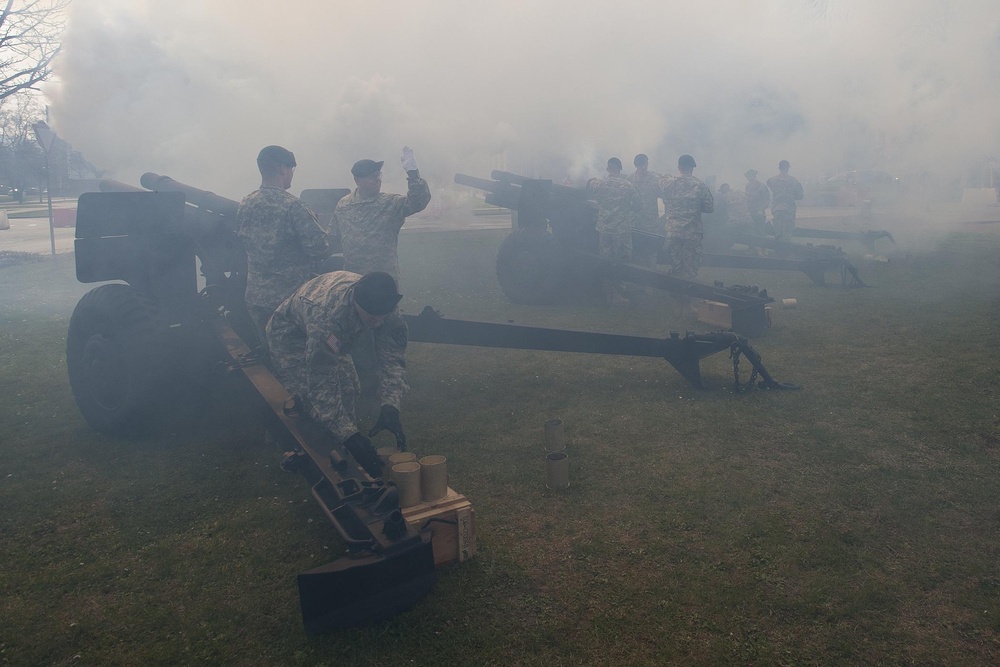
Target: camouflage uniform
369 226
648 219
785 191
686 198
758 199
737 210
310 337
618 207
282 238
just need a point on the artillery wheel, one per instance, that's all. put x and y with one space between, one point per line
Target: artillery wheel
531 267
116 358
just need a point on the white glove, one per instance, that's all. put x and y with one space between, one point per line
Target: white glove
409 162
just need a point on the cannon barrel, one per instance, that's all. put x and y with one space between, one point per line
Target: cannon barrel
556 188
203 199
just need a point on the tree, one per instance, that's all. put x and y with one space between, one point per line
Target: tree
29 42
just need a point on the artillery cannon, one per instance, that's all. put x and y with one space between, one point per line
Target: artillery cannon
536 268
178 312
555 247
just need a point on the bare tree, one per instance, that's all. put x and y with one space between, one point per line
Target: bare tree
29 41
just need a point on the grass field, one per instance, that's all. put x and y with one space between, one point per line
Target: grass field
854 522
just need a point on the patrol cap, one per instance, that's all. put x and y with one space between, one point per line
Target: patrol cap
641 158
376 293
615 163
686 161
783 164
750 173
275 156
365 168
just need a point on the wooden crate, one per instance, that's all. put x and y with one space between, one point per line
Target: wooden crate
455 532
720 315
714 313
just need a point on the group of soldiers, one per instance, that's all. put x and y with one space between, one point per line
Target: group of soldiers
631 204
318 328
314 327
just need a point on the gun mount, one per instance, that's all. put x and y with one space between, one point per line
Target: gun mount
134 345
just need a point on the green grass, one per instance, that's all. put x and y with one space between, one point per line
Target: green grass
852 522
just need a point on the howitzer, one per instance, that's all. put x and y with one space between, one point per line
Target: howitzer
131 346
572 221
555 247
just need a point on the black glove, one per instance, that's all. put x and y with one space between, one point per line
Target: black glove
364 453
388 420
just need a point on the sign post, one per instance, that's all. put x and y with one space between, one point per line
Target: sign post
46 137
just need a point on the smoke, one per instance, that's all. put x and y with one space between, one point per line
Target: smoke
194 89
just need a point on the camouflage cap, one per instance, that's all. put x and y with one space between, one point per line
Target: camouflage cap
376 293
365 168
686 161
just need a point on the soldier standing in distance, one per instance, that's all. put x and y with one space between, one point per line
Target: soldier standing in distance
785 191
281 235
738 215
369 220
310 337
618 206
758 199
648 184
686 198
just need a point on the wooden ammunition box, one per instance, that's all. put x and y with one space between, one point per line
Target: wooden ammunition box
719 314
714 313
452 522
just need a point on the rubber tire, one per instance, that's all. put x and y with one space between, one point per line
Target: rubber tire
117 358
531 267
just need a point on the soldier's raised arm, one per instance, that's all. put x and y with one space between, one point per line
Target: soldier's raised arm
418 194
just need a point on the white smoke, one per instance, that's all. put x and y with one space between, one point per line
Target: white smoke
193 89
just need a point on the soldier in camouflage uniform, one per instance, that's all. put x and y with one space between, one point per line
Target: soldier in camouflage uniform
785 191
369 220
685 198
758 199
619 206
737 211
310 337
648 184
281 236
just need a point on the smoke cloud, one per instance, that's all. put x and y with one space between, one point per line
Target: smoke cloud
194 89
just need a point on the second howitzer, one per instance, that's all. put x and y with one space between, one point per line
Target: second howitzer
554 249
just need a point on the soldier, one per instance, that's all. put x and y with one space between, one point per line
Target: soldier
619 206
369 221
758 199
281 236
737 211
785 191
686 198
648 221
310 337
